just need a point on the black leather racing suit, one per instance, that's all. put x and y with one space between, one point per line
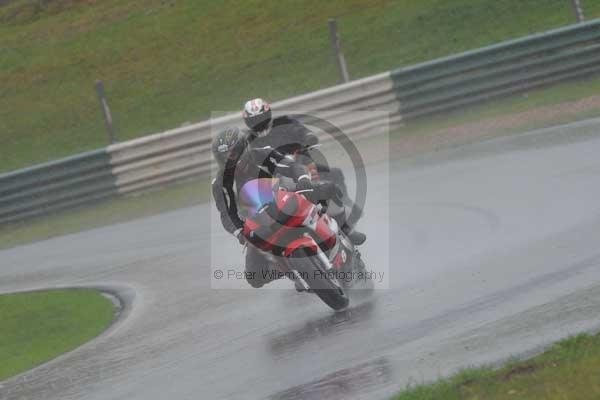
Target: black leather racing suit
252 164
289 136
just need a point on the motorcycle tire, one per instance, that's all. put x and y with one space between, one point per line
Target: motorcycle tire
313 273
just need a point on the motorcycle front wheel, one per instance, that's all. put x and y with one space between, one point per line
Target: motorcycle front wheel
313 272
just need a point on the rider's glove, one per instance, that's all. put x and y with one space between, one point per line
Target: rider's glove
336 194
239 234
328 191
304 184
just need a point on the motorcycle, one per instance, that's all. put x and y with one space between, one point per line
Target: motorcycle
298 236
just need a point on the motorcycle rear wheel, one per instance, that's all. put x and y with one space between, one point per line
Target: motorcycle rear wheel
313 273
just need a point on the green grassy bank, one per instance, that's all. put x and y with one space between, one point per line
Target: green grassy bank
39 326
168 62
569 370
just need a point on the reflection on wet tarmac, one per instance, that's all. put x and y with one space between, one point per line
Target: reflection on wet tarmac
291 341
343 383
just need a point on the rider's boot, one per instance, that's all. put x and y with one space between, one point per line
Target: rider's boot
357 238
340 214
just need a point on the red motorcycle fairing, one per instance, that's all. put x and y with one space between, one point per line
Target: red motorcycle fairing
302 242
326 236
278 227
292 208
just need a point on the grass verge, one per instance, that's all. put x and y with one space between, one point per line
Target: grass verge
168 62
568 370
39 326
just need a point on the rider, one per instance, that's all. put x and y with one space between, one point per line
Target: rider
239 164
289 136
283 133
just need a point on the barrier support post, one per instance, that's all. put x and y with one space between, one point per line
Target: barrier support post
108 121
578 10
338 54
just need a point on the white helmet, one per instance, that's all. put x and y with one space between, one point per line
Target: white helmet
257 115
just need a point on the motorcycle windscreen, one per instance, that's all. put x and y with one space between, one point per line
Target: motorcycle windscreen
256 194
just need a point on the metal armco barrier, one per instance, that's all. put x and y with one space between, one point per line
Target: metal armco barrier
398 96
502 69
185 152
56 185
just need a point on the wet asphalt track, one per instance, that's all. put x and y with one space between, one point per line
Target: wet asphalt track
495 251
